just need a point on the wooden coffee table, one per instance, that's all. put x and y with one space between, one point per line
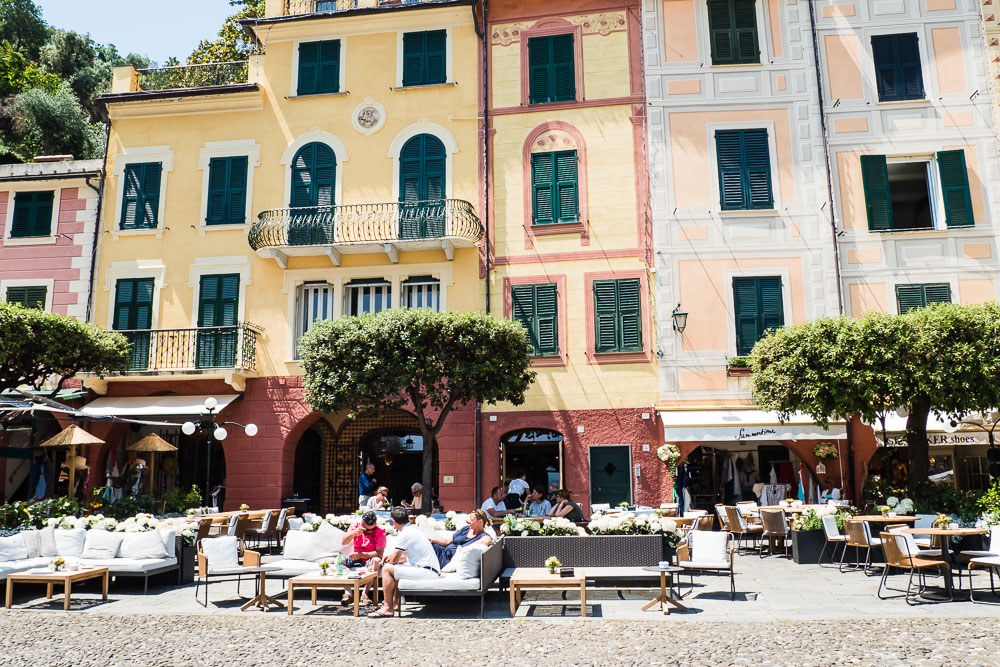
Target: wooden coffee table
539 577
65 577
316 581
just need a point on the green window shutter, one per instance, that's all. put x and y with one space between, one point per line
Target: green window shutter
955 188
539 63
546 319
424 57
131 196
878 200
757 169
314 170
237 191
133 304
32 214
745 31
733 31
897 67
563 74
543 172
28 297
413 58
319 67
141 196
910 297
746 306
308 68
567 199
551 69
150 195
729 149
218 306
629 315
720 28
522 298
436 46
218 177
937 293
605 316
772 307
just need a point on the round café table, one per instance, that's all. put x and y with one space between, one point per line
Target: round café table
941 537
666 588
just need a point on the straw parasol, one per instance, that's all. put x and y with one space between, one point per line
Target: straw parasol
152 443
72 436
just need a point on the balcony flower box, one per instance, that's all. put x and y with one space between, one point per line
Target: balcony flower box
738 367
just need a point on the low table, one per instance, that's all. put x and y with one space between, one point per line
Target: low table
539 577
663 598
315 581
65 577
262 599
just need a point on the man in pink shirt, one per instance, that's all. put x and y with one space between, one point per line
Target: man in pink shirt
367 549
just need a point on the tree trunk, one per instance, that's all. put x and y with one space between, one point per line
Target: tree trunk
427 476
916 441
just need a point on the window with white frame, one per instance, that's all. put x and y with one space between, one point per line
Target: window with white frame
369 295
421 292
313 303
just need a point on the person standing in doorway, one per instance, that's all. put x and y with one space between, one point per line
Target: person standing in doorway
366 485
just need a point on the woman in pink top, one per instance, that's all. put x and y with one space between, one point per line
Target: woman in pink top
367 550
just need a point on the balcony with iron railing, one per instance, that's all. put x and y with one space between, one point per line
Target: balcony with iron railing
227 352
200 75
296 7
443 224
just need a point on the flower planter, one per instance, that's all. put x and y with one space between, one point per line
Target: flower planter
188 556
584 550
738 371
807 546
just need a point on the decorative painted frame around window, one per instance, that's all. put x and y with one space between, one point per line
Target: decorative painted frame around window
543 28
553 136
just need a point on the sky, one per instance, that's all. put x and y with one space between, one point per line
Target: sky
155 29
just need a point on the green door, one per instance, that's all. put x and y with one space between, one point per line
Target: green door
134 314
609 475
421 181
218 307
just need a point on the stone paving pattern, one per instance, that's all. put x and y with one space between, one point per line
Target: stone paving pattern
783 614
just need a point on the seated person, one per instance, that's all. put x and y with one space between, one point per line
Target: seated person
553 496
830 492
445 547
537 504
566 507
413 558
379 500
368 545
494 506
418 497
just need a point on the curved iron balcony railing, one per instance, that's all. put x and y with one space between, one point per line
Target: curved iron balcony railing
367 223
200 349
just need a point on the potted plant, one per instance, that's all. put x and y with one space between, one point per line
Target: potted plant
808 539
323 567
188 553
552 563
670 455
825 451
738 367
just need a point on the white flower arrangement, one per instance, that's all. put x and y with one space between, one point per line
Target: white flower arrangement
188 534
627 523
904 506
344 522
669 454
140 523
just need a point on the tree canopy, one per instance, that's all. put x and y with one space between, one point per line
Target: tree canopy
943 359
35 345
231 43
418 361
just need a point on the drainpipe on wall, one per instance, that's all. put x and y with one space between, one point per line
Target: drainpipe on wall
97 223
826 154
483 36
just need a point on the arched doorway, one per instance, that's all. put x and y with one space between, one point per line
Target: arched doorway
308 470
398 455
537 452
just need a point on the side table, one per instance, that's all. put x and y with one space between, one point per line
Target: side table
664 597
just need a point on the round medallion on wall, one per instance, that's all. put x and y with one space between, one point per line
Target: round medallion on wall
368 117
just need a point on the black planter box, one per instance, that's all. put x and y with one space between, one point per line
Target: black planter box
807 546
187 563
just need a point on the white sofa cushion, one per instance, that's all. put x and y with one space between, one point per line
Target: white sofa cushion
13 548
127 565
143 546
47 542
292 567
329 543
101 544
70 542
297 544
220 552
32 542
324 544
295 523
465 563
446 582
169 538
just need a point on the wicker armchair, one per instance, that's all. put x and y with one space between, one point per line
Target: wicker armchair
898 555
223 556
708 551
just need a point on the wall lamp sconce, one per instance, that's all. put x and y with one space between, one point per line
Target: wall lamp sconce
680 319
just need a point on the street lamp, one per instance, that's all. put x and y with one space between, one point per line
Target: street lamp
680 318
209 425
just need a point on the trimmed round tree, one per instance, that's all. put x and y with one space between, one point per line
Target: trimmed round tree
943 359
418 361
35 346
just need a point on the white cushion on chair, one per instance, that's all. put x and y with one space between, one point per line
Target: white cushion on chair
101 544
465 563
295 523
220 552
143 546
708 547
328 542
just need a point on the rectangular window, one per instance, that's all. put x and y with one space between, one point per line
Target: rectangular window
28 297
134 314
911 297
758 307
551 69
367 296
617 316
904 194
422 292
227 191
314 303
732 25
897 67
32 214
218 312
425 58
536 308
555 192
744 169
319 67
141 197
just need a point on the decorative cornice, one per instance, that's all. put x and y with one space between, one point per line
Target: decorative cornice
592 24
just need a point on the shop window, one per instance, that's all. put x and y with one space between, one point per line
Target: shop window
367 296
910 194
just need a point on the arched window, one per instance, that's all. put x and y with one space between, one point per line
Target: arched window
422 169
314 175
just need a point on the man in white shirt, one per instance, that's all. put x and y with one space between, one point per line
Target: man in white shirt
494 504
413 558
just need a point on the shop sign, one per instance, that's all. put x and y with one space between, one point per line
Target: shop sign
755 433
938 439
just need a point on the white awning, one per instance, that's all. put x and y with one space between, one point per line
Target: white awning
134 406
734 425
937 435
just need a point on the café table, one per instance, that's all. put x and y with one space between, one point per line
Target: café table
941 538
666 588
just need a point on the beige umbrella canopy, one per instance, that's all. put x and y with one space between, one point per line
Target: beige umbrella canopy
72 436
152 443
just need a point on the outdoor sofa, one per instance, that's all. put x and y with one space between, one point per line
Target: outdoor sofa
124 554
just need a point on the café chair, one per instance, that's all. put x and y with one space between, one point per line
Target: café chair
739 527
833 536
708 550
898 554
775 525
219 557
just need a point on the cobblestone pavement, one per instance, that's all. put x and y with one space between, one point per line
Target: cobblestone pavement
57 638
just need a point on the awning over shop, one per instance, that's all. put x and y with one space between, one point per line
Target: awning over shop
937 434
734 425
163 406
